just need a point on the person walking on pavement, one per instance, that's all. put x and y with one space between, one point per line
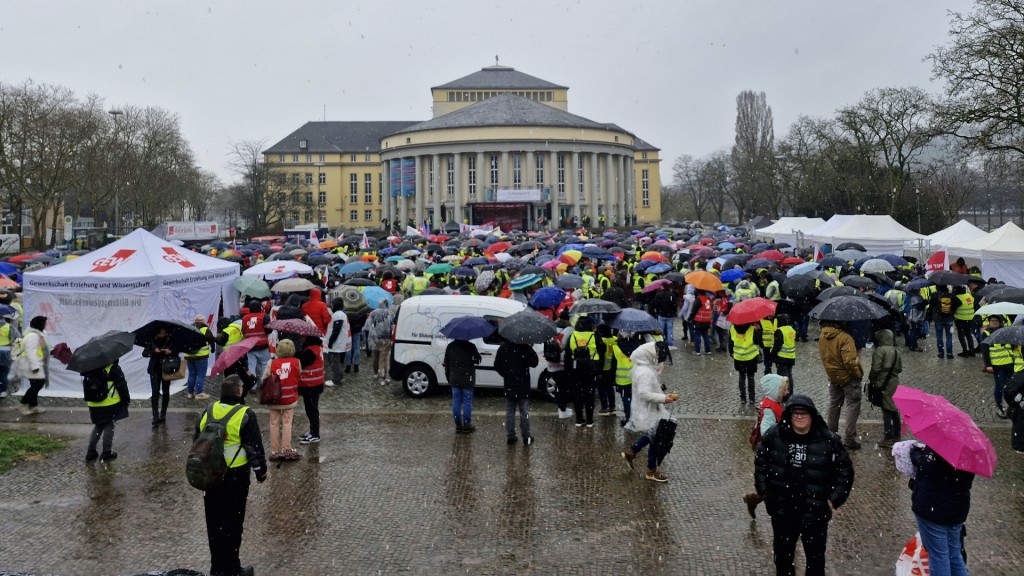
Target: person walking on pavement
664 306
254 325
783 348
743 348
157 351
513 362
701 316
379 324
311 385
963 319
460 361
225 504
842 367
198 360
648 408
316 310
998 361
775 389
8 335
103 413
564 388
886 366
339 341
606 380
585 354
287 368
941 307
37 353
766 340
803 473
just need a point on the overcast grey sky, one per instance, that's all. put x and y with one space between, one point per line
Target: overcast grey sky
667 70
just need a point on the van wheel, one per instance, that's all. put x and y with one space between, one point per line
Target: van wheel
546 386
419 380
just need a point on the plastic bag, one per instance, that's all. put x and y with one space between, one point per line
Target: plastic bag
914 559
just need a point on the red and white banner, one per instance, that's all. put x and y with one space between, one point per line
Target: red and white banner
937 262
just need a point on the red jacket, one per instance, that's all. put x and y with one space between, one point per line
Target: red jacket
312 373
287 369
317 311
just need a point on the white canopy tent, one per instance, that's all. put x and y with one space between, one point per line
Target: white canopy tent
123 286
1001 253
962 231
785 229
878 234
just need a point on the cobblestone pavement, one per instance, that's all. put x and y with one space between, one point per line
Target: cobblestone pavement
392 490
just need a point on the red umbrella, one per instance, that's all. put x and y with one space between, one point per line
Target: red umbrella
947 430
775 255
707 240
228 357
752 310
497 247
654 255
20 258
789 261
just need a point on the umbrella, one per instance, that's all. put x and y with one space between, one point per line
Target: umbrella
947 430
731 275
831 262
675 278
633 320
233 354
1006 294
1008 335
277 269
848 308
527 327
800 269
1011 308
293 285
359 282
858 282
183 336
798 287
374 294
838 291
877 266
442 268
8 268
547 297
773 255
569 281
101 350
918 283
295 326
948 278
6 310
851 246
570 257
354 267
355 304
594 306
467 328
252 286
849 255
702 280
656 285
751 310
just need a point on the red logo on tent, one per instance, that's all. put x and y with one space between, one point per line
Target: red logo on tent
171 255
115 259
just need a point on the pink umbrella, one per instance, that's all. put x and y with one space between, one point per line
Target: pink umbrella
550 264
947 430
228 357
656 285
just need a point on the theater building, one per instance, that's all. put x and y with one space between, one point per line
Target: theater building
502 148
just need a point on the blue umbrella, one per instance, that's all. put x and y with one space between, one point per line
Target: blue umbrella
644 265
8 268
464 271
6 310
569 247
918 283
893 259
800 269
732 275
832 262
547 297
467 328
633 320
394 258
659 268
354 267
758 263
726 245
520 282
478 261
374 294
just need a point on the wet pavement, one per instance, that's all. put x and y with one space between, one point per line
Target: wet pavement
391 489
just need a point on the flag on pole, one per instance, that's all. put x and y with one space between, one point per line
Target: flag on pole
313 238
938 261
425 230
366 241
817 254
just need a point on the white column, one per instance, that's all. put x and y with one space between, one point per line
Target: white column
631 188
385 208
421 192
460 198
483 177
403 204
504 174
595 199
551 178
436 160
609 189
572 186
620 214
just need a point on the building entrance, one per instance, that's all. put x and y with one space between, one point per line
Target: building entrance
506 215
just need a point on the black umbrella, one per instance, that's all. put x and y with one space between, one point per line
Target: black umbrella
675 278
594 306
831 262
359 282
798 287
1005 294
948 278
848 308
1008 335
99 351
838 291
432 292
569 281
182 336
535 270
850 246
527 327
858 282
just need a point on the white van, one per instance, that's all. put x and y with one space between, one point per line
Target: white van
418 346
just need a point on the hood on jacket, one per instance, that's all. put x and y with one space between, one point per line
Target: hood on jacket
315 295
690 289
817 421
744 284
884 337
831 332
646 355
771 386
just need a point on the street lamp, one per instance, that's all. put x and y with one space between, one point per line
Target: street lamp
917 194
988 197
117 194
319 203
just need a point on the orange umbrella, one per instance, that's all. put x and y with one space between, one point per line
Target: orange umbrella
702 280
570 257
654 255
368 258
6 282
328 244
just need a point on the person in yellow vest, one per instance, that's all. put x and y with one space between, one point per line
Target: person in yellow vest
767 341
225 503
586 369
963 316
743 347
606 381
232 334
103 413
619 352
998 361
197 362
783 351
8 334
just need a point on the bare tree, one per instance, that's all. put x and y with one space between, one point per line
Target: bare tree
753 156
265 197
686 172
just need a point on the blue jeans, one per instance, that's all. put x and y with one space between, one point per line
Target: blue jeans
943 545
511 405
701 333
258 360
352 356
652 454
627 400
801 326
912 335
5 368
196 374
667 323
944 336
462 405
1001 374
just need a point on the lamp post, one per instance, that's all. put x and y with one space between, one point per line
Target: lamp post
117 193
319 203
988 198
917 194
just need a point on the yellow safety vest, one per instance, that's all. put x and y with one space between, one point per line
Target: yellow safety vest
608 343
788 349
623 366
112 396
1018 359
637 288
772 291
743 347
419 284
234 453
965 311
5 334
205 350
998 354
588 339
768 328
234 331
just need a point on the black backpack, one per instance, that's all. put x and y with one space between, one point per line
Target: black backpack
205 466
94 386
582 360
552 351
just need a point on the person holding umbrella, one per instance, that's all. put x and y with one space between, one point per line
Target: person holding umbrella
157 350
103 412
513 360
460 360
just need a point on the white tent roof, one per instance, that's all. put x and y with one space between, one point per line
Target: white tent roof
962 231
877 233
788 224
140 260
1003 243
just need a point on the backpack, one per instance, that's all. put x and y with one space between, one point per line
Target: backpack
552 351
94 386
946 304
205 466
755 433
582 360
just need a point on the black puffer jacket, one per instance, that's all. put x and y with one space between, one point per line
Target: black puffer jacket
513 362
942 494
799 474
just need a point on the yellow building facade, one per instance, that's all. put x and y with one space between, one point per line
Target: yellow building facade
501 149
